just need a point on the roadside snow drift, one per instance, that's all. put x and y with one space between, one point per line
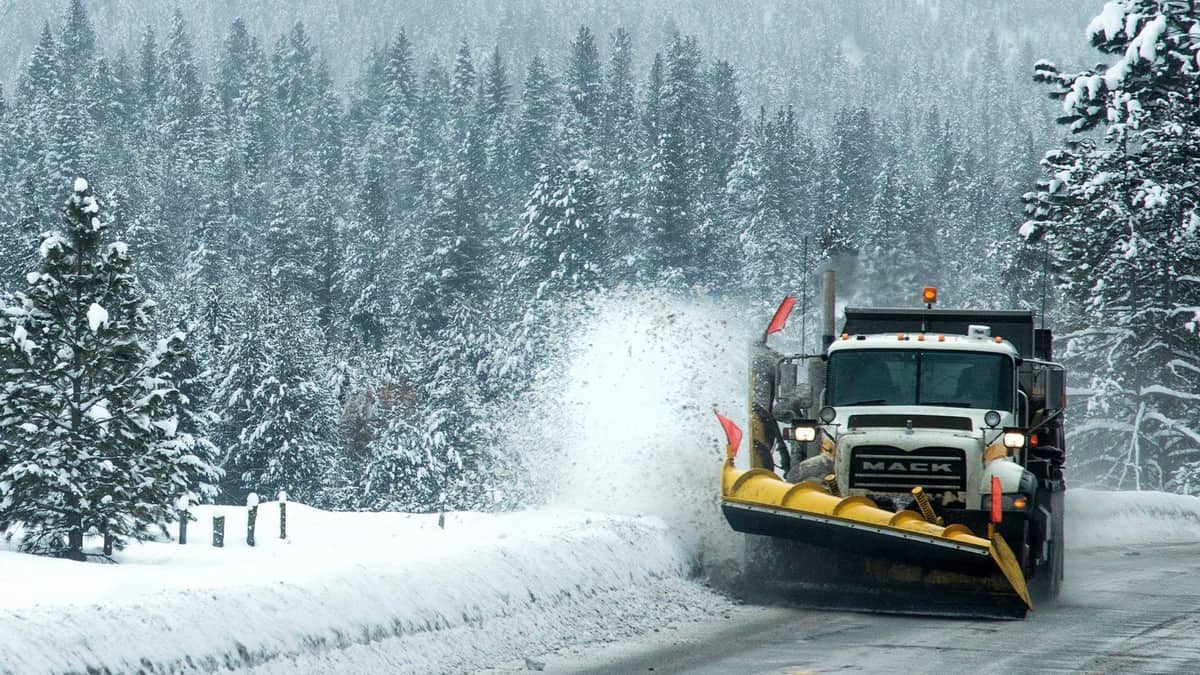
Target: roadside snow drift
385 592
1097 518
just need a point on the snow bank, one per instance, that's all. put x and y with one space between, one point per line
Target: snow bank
626 422
1097 518
350 590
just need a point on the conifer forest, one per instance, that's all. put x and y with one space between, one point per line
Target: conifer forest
331 252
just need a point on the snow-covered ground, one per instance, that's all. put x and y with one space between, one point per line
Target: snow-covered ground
1097 518
393 592
388 592
350 592
355 592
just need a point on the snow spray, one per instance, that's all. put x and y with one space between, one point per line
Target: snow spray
626 415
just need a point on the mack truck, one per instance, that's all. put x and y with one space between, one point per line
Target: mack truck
913 465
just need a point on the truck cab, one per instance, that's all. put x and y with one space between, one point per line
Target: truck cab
952 402
922 409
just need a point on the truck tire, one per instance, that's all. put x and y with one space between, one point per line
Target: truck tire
1048 578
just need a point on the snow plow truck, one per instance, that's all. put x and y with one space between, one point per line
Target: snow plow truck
928 481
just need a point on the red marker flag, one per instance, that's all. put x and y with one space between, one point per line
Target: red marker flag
781 315
996 497
733 435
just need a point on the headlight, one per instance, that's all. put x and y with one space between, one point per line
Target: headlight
804 433
992 418
1014 438
827 415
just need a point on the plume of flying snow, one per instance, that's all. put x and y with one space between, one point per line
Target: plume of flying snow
625 421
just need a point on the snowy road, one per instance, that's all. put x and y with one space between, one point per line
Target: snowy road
1124 609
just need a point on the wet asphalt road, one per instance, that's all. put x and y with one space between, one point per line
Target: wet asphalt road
1122 610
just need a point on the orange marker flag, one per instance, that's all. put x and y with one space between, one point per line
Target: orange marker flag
733 435
997 513
781 316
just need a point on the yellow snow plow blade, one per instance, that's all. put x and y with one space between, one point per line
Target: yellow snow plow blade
904 548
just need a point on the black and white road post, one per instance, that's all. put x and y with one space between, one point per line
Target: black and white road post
251 516
442 511
282 514
183 505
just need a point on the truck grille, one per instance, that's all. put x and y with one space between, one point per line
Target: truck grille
918 421
888 469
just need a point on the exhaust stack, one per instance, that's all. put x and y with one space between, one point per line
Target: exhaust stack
816 367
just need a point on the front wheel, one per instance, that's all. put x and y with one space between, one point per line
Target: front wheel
1048 579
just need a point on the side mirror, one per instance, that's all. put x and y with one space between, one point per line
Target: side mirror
793 395
1056 389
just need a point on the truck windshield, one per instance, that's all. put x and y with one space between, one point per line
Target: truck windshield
916 377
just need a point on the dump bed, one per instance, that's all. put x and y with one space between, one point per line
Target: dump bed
1016 326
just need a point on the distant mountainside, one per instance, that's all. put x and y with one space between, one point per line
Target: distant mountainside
786 51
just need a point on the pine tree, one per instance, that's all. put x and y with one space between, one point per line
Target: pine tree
895 252
652 104
40 94
1118 216
399 83
287 255
366 273
179 88
766 201
620 172
235 65
462 83
853 164
39 80
498 179
77 42
459 247
583 76
400 473
435 110
536 128
248 146
727 123
278 419
88 410
674 178
584 89
562 239
149 75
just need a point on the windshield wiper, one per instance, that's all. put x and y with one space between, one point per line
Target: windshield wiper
948 404
876 401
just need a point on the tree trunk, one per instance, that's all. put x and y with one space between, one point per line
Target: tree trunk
75 539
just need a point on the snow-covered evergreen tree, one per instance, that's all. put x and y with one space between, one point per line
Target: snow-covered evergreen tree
619 173
674 171
89 411
393 211
562 243
536 127
279 422
766 199
1119 217
584 89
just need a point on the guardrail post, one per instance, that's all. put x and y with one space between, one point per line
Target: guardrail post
219 531
183 505
282 514
251 517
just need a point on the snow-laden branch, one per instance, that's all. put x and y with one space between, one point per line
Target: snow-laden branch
1175 426
1168 391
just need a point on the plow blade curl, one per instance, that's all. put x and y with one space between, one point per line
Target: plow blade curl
902 562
